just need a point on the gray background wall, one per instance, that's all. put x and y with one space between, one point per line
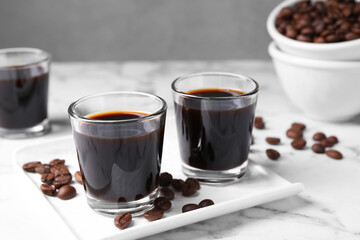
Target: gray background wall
102 30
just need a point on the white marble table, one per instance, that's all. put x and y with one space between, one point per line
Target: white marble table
329 208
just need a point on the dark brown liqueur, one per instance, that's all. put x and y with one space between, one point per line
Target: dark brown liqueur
120 168
214 135
23 96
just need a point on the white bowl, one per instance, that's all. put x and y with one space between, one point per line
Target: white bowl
348 50
323 90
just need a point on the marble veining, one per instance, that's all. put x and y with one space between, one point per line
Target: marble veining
329 208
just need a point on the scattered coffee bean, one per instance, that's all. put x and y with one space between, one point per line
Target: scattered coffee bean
42 168
318 148
272 140
206 202
59 169
294 134
47 178
123 220
162 203
78 177
319 136
334 154
259 123
66 192
298 144
177 184
62 180
30 166
57 161
167 193
333 139
189 207
154 214
193 181
165 179
189 189
298 126
272 154
326 143
47 189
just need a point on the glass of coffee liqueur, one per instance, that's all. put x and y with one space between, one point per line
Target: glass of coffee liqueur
119 139
24 81
214 118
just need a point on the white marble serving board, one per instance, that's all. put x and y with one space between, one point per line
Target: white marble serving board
259 186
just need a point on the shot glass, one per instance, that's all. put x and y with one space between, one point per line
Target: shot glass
119 138
24 81
214 118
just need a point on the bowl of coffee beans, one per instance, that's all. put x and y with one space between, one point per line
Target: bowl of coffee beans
328 30
324 90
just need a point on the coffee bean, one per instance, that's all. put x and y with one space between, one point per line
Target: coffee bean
334 154
165 179
78 177
123 220
30 166
318 148
319 40
42 168
56 162
298 126
66 192
351 36
154 214
189 207
326 143
47 178
319 136
298 144
291 33
62 179
193 181
259 123
206 202
59 169
188 189
272 154
304 38
258 119
333 139
167 193
272 140
162 203
177 184
294 134
47 189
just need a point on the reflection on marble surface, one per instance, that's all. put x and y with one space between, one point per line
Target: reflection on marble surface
327 209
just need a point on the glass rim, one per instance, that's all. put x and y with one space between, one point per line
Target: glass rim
74 115
187 76
47 56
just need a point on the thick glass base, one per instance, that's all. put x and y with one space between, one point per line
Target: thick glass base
35 131
135 208
216 177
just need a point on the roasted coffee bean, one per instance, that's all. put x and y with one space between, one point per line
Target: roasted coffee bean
298 126
319 136
319 40
291 33
298 144
189 189
272 140
177 184
56 162
189 207
162 203
47 189
193 181
259 119
165 179
30 166
351 36
326 143
334 154
47 178
154 214
62 179
66 192
78 177
259 123
167 193
59 169
333 139
206 202
304 38
294 134
123 220
272 154
318 148
42 168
